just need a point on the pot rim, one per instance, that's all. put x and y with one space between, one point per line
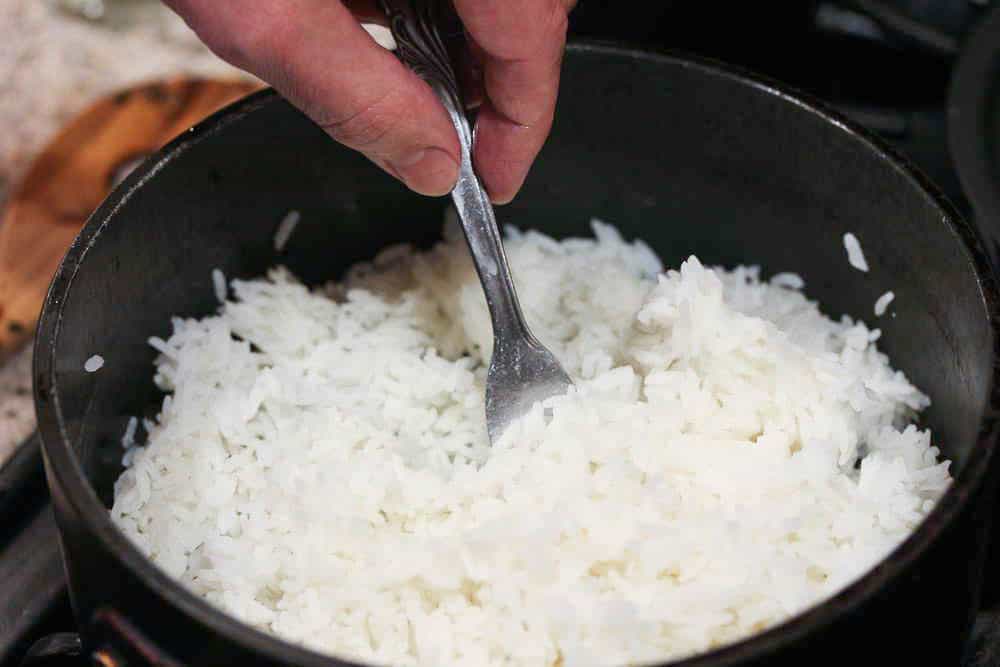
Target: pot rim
65 470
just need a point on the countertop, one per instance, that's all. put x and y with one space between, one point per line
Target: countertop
53 64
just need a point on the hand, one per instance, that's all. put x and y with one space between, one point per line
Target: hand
316 54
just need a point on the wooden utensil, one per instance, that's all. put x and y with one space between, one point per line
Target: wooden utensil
73 175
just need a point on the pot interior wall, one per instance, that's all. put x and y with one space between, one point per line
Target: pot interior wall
691 160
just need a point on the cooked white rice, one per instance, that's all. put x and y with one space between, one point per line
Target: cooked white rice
320 468
219 285
855 255
883 303
285 228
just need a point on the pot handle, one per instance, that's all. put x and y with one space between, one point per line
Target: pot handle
31 578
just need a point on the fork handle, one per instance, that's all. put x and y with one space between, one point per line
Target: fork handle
415 27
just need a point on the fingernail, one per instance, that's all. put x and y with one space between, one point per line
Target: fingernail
500 200
430 171
500 196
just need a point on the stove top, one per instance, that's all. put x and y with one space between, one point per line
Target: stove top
885 63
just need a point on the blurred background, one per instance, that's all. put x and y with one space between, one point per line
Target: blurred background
92 86
58 56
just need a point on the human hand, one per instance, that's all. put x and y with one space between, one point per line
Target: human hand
317 54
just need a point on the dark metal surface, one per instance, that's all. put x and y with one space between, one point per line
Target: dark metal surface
974 138
869 70
32 583
692 158
117 642
32 580
974 124
22 487
896 19
826 47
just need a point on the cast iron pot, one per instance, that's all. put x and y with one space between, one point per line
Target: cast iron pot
692 157
974 123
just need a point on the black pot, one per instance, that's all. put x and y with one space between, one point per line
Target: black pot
974 124
689 156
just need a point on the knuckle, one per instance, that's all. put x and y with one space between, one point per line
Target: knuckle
557 24
367 128
260 44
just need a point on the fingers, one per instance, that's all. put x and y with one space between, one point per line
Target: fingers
522 43
319 57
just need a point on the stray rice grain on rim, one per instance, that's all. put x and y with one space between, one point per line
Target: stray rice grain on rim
93 363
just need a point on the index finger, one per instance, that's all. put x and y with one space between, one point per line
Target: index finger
317 54
521 43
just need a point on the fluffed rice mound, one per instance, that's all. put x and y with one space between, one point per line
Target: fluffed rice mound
730 456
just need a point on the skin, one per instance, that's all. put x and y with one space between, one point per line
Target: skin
318 56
